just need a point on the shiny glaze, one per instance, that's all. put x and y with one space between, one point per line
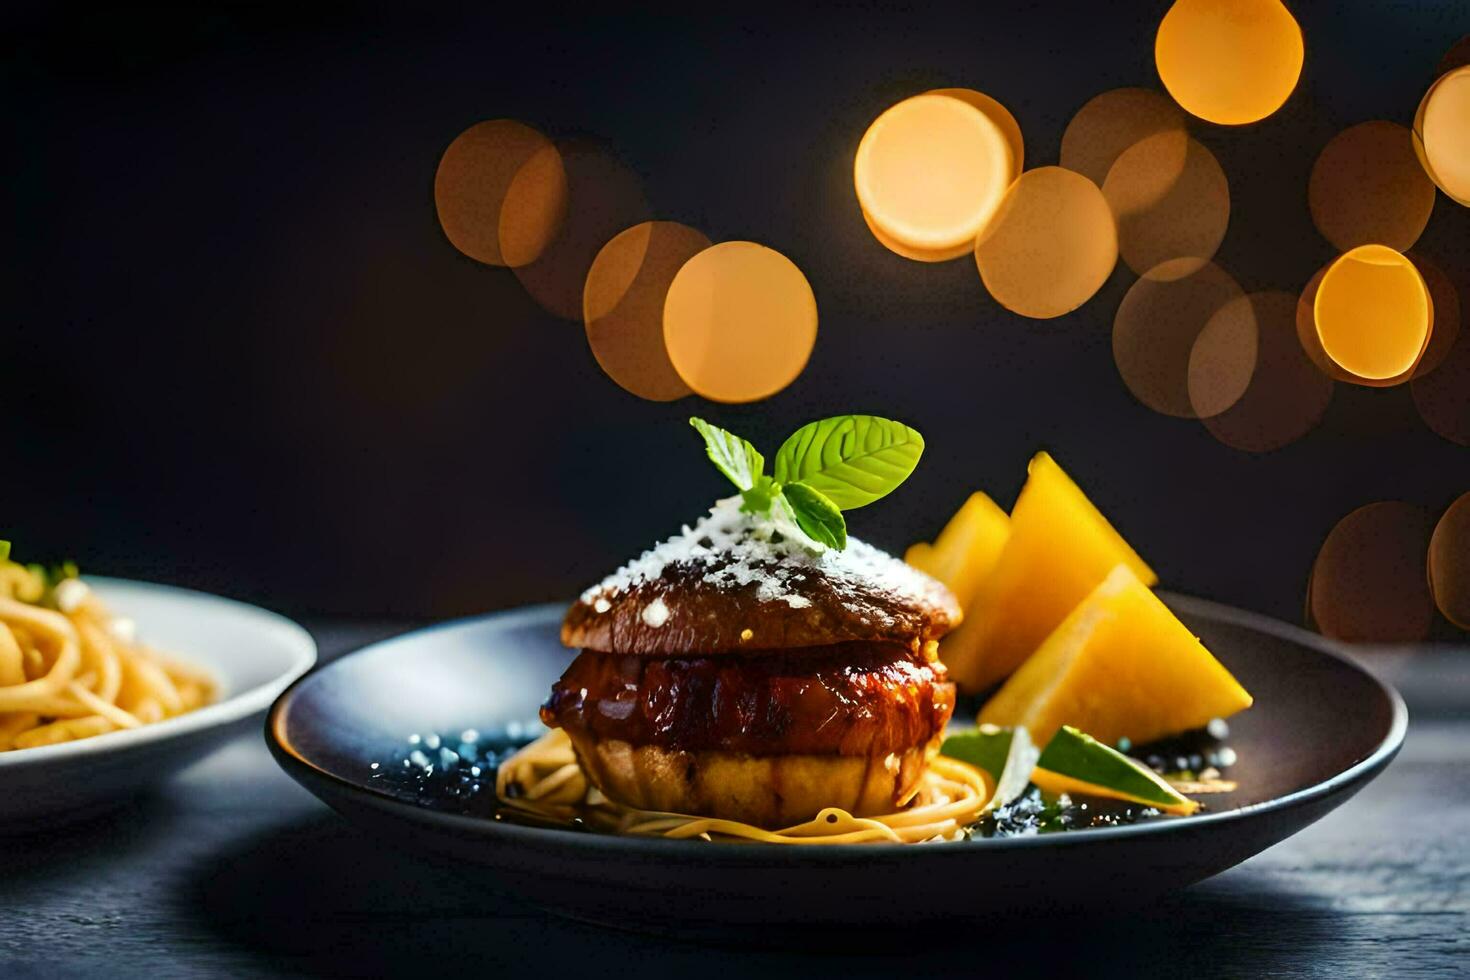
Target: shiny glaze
848 699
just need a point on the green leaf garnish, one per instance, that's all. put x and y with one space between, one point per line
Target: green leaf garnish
4 550
1076 762
1006 754
851 459
818 517
825 468
986 747
732 455
758 499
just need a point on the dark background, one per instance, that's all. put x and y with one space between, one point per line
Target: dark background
239 354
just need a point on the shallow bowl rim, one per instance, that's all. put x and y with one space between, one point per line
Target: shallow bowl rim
740 852
297 642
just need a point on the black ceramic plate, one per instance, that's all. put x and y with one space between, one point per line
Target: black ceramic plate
1320 729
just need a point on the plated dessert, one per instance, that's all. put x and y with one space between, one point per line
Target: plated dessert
764 676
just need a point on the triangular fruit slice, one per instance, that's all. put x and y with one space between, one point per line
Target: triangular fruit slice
967 549
1120 666
1059 548
1077 763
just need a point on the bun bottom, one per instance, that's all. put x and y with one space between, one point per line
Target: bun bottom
768 791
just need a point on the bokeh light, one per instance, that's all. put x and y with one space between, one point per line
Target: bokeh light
1368 583
623 305
1112 122
1372 313
1156 328
1306 329
1171 201
740 321
1443 395
1009 129
1368 187
1223 358
998 114
1287 395
917 254
604 197
1458 56
501 192
1444 326
1449 563
931 171
1444 304
1050 246
1441 136
1229 61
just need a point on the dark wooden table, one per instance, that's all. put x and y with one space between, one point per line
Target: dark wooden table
234 870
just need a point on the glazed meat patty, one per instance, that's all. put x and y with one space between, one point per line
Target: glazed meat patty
849 699
737 673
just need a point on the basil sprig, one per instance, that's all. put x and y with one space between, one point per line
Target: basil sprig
732 455
852 459
824 468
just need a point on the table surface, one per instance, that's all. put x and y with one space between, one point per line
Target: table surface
232 869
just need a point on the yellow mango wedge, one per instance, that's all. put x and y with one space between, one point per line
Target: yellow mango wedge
1059 548
966 550
1120 666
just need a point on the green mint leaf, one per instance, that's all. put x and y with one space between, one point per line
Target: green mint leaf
4 550
757 500
732 455
782 504
851 459
818 517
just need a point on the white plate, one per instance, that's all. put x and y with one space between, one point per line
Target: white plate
254 654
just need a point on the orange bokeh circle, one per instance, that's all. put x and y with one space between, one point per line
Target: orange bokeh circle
1156 329
1368 583
740 321
623 305
931 170
1368 187
1449 562
1373 314
1229 61
1051 245
500 191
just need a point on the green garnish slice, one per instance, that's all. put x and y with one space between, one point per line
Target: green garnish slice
1075 762
824 468
1007 755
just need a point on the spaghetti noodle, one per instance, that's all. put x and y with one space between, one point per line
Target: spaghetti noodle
544 780
70 669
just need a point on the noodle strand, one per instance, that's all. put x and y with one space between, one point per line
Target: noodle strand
543 779
73 672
